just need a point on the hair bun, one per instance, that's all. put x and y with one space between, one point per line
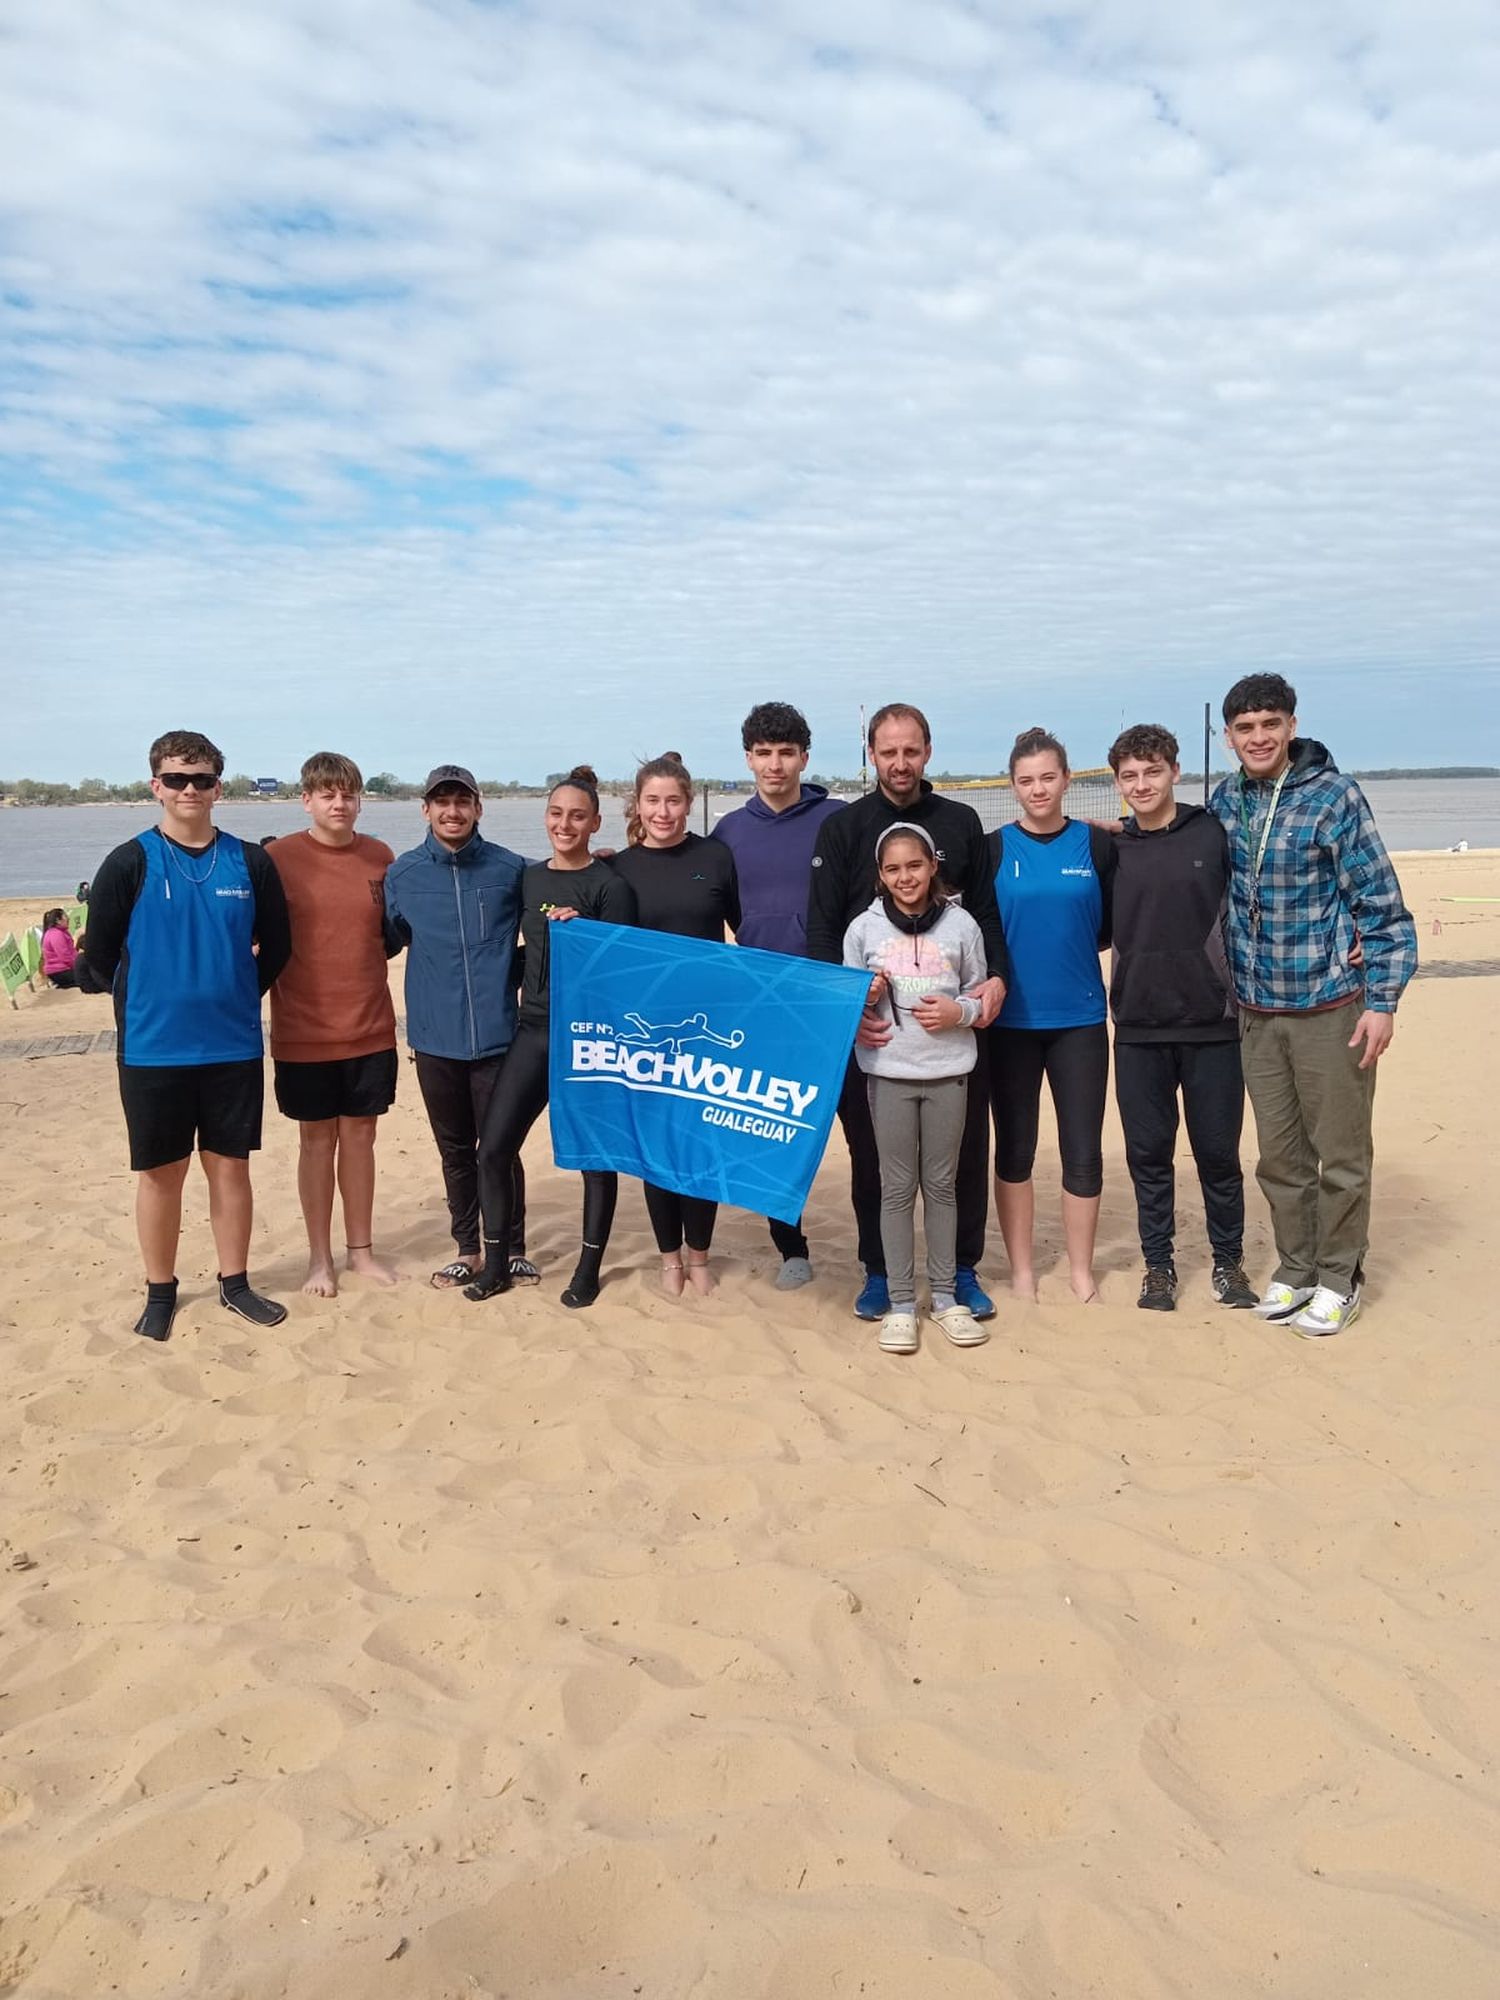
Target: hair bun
582 774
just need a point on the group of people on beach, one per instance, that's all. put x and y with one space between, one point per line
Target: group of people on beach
1261 945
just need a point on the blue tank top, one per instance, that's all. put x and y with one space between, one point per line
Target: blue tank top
193 995
1051 906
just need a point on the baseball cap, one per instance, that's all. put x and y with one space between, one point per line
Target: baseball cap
449 774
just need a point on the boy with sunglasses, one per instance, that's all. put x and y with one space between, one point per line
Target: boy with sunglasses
188 927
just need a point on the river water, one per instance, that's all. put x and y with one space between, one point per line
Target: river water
47 850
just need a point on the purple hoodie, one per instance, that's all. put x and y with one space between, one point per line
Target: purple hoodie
773 858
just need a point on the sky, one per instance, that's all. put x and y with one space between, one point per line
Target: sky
521 384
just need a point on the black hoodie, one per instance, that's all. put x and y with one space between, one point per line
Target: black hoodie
1170 981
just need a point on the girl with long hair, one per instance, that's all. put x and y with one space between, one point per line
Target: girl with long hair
686 885
572 882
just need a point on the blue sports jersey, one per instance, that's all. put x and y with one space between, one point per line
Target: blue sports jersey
193 994
1051 905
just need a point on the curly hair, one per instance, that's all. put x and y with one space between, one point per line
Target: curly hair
1146 741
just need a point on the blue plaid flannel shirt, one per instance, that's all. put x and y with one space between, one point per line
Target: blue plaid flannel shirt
1326 879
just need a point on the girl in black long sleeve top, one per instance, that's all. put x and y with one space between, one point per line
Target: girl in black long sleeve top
686 885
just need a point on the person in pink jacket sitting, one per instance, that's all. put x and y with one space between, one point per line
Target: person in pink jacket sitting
59 952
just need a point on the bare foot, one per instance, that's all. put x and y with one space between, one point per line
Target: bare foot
1085 1290
365 1264
671 1277
699 1276
1023 1284
321 1281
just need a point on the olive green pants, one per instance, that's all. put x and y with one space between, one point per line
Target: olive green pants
1313 1108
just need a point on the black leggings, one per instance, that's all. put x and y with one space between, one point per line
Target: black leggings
1075 1062
680 1218
519 1099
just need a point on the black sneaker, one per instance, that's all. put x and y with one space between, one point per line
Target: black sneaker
1233 1288
1159 1289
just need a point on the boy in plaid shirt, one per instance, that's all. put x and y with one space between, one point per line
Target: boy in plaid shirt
1321 947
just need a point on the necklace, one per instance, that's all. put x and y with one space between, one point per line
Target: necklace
175 861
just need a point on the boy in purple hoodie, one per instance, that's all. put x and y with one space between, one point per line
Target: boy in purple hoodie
772 841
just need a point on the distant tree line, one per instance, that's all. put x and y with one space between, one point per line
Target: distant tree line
386 785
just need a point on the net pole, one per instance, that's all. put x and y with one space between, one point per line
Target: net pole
1207 731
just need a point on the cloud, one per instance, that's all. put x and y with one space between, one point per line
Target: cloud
500 376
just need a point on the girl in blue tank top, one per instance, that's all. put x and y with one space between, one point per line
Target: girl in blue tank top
1052 882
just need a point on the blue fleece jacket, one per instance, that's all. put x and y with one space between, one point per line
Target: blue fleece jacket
773 858
457 911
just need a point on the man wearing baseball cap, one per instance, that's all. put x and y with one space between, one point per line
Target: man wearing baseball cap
455 902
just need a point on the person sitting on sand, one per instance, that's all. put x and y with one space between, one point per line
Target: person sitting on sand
59 952
333 1028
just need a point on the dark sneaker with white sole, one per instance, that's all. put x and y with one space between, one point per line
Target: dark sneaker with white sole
1233 1288
1159 1289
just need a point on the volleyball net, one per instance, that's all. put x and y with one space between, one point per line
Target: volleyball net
1091 795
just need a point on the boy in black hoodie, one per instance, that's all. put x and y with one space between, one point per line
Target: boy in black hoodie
1176 1021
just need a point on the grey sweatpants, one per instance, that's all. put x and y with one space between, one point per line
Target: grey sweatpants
919 1128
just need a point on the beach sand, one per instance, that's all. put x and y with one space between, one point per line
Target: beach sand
421 1649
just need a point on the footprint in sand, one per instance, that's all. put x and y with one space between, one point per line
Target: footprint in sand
213 1852
449 1649
1027 1807
109 1408
268 1740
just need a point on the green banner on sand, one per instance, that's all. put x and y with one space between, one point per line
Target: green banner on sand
12 964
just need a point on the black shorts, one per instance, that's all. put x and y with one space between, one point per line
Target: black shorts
354 1087
215 1106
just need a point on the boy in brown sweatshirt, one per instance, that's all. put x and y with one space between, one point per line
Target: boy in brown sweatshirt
333 1028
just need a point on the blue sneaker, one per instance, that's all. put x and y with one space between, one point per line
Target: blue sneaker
874 1302
967 1291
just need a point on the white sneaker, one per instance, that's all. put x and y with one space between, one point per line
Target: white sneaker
1329 1312
1281 1301
961 1327
898 1331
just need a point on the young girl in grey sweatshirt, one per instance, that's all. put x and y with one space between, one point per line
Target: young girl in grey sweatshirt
927 956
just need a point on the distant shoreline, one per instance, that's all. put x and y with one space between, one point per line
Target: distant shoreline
618 787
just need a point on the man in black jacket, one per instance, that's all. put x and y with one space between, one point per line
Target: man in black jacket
843 884
1176 1022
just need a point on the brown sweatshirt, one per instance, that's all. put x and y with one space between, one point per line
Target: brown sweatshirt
333 1000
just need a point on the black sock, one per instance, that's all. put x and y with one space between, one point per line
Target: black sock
236 1293
583 1288
493 1275
161 1307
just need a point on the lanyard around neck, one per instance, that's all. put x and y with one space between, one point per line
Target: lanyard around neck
1265 831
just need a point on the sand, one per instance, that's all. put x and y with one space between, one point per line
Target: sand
422 1649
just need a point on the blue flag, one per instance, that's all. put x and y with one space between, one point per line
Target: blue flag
710 1069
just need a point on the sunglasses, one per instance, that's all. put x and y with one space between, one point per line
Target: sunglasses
178 781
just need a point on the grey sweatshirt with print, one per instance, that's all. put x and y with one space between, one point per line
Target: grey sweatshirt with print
949 959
